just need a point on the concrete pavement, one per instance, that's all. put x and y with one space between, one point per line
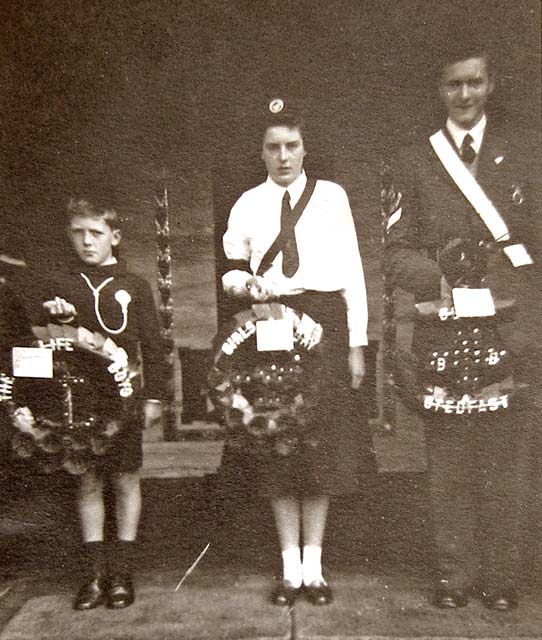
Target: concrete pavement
376 556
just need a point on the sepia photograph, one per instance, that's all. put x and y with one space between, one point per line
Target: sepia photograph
271 320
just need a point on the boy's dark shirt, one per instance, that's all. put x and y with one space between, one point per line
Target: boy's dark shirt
143 327
14 317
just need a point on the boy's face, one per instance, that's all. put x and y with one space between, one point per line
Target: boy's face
93 240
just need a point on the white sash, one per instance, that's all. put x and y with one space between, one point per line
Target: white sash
469 187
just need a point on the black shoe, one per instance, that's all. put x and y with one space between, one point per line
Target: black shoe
91 594
318 593
120 592
500 600
285 594
445 598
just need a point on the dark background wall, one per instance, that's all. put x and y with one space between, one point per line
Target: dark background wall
104 95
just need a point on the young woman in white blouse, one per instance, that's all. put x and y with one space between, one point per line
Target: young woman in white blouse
324 279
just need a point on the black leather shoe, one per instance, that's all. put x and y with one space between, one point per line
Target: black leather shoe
284 594
318 593
445 598
120 592
504 600
91 594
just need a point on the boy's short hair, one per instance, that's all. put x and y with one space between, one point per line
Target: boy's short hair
87 209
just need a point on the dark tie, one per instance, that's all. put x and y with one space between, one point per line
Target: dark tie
290 257
467 153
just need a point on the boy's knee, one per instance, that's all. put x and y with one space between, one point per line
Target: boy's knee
90 484
126 483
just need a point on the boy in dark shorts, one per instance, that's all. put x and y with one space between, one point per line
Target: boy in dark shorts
99 294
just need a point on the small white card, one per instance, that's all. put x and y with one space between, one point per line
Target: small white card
473 303
275 335
32 362
518 255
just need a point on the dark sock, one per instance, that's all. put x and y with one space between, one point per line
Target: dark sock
122 555
93 559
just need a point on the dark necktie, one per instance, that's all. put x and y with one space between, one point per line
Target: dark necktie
467 153
290 257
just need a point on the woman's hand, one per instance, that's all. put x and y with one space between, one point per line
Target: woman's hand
356 363
240 284
258 289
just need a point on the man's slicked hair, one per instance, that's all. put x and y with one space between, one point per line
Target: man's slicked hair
462 44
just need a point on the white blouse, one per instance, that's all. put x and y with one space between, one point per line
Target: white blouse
329 258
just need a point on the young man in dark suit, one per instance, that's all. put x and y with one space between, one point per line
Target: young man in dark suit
466 217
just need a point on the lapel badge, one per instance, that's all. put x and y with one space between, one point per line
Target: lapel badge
276 105
499 159
517 194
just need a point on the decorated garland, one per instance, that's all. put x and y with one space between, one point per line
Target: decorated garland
67 421
266 396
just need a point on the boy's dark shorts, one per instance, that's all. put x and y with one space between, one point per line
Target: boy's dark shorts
125 454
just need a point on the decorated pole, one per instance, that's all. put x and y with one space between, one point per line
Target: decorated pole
165 309
388 200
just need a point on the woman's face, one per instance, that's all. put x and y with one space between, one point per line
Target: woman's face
283 153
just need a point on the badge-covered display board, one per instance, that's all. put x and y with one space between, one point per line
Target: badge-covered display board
466 369
66 393
263 380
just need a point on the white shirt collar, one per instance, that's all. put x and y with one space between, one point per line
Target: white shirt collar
458 133
295 189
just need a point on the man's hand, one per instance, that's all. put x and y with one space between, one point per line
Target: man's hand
463 262
356 363
152 413
60 309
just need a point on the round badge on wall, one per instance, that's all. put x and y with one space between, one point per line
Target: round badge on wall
276 105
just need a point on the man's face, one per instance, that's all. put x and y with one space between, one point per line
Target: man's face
465 87
283 152
93 240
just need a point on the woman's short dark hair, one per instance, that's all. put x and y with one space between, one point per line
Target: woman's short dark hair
284 119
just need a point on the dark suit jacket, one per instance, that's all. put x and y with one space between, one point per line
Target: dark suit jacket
434 211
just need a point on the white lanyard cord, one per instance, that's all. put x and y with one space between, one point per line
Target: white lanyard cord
123 304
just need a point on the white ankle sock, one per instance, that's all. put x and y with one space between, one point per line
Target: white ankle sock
312 564
291 566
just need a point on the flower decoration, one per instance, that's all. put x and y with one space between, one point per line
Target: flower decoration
68 422
266 398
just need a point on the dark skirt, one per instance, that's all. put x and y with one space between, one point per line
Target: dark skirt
328 461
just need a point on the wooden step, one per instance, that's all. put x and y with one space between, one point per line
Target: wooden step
182 459
200 430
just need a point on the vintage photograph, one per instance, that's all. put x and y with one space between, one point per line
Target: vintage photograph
271 320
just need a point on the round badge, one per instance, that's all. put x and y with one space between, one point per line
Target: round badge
276 105
517 195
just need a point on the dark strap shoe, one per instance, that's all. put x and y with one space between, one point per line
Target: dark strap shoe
91 594
318 593
120 592
284 594
445 598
